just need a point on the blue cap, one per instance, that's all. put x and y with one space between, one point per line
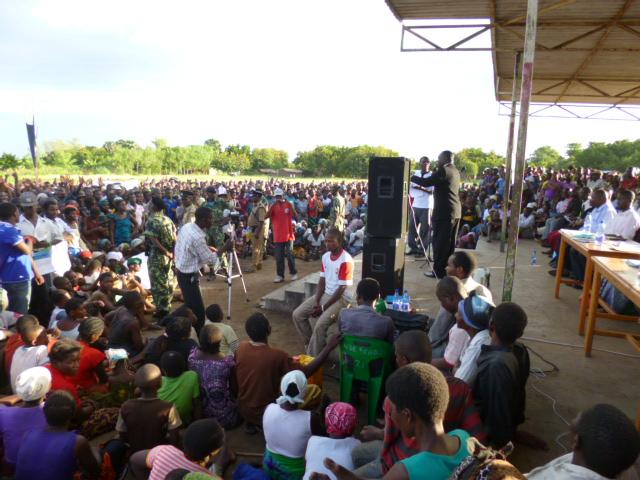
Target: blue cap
476 311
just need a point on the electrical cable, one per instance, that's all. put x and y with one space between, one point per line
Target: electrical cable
562 344
539 375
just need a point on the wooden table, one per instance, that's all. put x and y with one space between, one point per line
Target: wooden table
622 277
611 249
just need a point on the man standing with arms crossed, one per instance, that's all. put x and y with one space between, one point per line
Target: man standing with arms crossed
446 211
282 215
421 217
338 209
160 235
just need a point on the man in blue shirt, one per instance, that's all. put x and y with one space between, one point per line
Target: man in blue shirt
17 267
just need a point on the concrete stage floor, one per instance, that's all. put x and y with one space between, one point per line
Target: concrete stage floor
580 383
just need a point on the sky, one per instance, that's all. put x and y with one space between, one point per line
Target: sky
288 74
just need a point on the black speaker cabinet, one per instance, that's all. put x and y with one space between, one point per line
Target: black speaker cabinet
383 259
387 213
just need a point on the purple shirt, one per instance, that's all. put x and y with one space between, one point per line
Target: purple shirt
14 423
47 455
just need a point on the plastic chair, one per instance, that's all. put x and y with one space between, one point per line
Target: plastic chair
368 360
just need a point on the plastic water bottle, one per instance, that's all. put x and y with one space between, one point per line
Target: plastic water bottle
587 224
600 233
406 301
534 257
397 299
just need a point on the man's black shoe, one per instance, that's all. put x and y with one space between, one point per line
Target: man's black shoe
430 274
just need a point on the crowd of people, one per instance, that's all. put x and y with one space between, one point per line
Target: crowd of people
104 329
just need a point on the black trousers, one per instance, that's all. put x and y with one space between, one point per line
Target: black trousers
190 285
444 243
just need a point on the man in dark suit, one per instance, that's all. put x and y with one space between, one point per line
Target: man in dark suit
446 211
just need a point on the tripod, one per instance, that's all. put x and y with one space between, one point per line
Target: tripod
425 250
232 258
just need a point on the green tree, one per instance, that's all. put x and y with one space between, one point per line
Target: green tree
9 161
268 158
546 157
480 159
214 144
160 143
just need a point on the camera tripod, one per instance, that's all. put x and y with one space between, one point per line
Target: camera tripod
231 258
426 250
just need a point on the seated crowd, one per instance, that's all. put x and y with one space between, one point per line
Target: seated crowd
94 351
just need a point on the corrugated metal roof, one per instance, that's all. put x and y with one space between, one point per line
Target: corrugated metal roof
588 50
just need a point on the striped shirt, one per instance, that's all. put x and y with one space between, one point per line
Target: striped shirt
192 251
461 414
165 458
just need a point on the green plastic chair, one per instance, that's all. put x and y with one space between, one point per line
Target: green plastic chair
368 360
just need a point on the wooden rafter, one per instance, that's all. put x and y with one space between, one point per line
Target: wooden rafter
596 48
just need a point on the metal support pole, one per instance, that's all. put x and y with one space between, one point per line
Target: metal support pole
509 157
518 177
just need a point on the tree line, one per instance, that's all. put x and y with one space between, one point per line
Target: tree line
125 156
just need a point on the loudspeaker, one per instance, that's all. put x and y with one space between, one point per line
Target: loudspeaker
388 197
383 259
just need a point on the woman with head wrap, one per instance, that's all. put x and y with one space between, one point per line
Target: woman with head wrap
340 420
287 430
31 386
93 361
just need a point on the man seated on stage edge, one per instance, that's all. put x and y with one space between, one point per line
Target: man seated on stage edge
315 315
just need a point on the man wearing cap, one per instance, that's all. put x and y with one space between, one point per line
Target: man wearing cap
422 202
259 224
338 209
31 224
186 213
160 236
282 218
527 222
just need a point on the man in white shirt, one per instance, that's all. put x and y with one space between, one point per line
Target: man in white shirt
605 445
315 315
602 213
461 265
627 222
527 221
46 230
474 313
191 254
422 202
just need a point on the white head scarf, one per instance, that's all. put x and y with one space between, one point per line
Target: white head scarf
33 383
297 378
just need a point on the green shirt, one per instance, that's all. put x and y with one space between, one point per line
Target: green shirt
181 391
430 466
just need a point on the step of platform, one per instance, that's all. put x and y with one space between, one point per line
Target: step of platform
287 297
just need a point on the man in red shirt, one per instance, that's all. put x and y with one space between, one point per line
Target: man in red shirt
282 216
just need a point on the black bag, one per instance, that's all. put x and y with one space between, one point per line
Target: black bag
405 321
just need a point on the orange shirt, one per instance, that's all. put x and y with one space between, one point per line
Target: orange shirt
281 215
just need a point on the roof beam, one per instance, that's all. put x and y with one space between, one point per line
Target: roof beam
597 46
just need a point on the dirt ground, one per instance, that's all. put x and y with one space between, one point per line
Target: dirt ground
552 397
